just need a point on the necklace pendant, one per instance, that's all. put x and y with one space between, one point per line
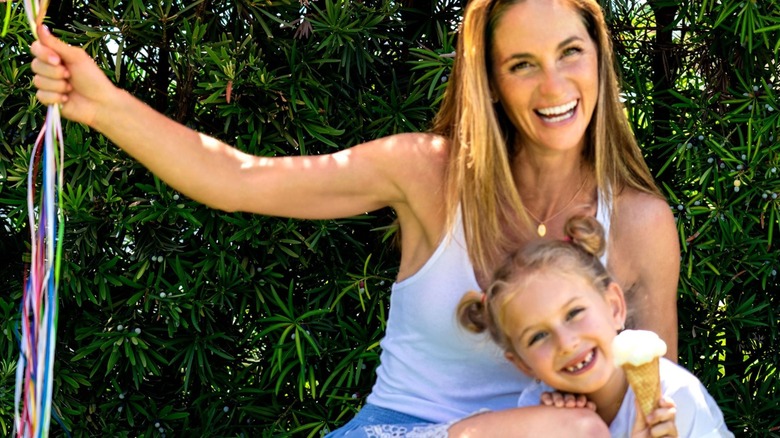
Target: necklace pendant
541 230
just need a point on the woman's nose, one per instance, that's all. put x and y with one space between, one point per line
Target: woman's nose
552 82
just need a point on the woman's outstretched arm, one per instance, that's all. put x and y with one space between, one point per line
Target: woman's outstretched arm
384 172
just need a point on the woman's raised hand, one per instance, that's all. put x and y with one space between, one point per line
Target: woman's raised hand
67 75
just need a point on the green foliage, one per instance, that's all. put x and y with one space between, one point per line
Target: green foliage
180 320
702 82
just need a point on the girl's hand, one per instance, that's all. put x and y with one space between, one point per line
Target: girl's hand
660 422
66 75
566 400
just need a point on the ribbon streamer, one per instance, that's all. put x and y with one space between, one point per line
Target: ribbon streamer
39 310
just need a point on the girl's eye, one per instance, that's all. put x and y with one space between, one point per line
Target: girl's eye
574 312
536 338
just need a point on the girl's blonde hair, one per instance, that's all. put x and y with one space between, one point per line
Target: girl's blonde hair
578 256
479 176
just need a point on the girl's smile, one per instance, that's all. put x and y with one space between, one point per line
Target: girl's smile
561 330
583 365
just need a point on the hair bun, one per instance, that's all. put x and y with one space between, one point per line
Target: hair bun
472 312
586 233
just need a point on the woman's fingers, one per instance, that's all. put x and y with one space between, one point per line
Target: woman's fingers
48 98
66 75
57 48
50 75
54 71
51 82
45 83
44 54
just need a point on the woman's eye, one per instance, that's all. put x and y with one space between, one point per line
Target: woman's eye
520 66
571 51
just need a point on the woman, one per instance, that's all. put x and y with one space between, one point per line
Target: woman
531 129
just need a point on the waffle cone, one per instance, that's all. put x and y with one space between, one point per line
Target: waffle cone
645 381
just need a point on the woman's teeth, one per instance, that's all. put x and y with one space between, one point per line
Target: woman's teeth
585 362
557 113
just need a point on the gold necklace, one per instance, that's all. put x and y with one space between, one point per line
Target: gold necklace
541 229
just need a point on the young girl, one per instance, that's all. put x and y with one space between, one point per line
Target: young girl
554 310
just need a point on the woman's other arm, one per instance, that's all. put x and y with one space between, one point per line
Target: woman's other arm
645 259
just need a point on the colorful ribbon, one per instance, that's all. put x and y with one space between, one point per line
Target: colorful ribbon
35 369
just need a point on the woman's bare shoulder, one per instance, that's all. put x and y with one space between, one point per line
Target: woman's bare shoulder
420 144
643 220
411 159
640 210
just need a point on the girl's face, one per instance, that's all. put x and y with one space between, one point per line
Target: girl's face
545 73
561 329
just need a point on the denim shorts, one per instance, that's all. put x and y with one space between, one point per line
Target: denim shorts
375 422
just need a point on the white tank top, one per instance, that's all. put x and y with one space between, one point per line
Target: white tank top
432 368
604 215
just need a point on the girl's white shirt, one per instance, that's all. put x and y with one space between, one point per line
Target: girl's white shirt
698 415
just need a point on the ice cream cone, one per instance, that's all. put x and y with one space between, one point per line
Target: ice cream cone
638 352
645 381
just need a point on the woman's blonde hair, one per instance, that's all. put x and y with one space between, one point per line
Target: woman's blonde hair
578 256
479 176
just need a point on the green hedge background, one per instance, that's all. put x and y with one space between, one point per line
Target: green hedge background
178 320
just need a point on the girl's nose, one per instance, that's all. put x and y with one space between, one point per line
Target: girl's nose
568 340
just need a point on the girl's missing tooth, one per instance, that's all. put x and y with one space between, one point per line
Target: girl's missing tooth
555 311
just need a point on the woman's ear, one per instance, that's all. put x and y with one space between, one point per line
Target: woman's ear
493 95
617 304
520 364
493 92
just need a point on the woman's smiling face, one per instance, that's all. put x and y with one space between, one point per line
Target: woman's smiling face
561 330
545 73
